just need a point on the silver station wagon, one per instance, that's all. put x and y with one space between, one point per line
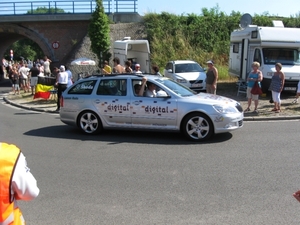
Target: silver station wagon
111 102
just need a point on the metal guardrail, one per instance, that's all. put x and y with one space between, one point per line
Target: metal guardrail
60 7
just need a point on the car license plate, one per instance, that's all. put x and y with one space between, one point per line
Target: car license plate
196 85
290 88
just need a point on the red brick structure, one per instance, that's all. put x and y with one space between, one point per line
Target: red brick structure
56 35
55 38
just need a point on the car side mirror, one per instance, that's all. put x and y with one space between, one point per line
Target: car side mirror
170 71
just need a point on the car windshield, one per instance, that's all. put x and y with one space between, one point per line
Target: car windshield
188 68
176 87
281 55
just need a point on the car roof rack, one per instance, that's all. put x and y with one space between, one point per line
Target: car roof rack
117 74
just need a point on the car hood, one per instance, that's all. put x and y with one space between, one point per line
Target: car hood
290 71
210 99
192 75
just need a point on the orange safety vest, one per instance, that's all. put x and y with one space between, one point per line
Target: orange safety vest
9 212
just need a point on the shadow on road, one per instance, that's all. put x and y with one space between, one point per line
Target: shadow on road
122 136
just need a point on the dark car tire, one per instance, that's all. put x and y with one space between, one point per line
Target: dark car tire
197 127
89 122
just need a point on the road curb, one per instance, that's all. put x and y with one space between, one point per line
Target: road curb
271 118
28 108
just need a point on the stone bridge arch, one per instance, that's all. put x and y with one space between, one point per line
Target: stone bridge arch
10 33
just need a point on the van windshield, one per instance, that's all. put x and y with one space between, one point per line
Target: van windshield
284 56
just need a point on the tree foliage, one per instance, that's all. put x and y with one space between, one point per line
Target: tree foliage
45 10
25 48
99 33
199 37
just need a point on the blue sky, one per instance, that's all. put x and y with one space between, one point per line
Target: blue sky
283 8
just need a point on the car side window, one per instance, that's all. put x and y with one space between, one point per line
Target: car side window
115 87
169 66
83 88
136 86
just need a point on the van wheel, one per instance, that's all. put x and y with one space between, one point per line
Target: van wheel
89 122
197 127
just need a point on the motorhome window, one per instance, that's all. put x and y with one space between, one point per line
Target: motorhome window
235 48
257 56
254 34
282 55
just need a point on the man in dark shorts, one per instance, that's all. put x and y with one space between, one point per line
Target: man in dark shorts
33 73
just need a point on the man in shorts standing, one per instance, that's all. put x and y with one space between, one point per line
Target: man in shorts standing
34 72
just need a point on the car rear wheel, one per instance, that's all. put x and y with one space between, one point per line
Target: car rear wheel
89 122
197 127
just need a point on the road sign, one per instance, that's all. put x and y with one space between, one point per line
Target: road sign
55 45
11 54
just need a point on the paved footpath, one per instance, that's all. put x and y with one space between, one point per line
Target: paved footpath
26 101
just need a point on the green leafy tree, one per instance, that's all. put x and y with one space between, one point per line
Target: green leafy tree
45 10
99 33
25 48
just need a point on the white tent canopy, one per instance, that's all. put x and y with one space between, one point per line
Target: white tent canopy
83 62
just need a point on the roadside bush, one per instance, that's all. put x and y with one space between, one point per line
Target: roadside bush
199 37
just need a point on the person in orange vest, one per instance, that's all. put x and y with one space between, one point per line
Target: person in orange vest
16 183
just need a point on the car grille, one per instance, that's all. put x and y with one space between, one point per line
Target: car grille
240 123
196 81
239 107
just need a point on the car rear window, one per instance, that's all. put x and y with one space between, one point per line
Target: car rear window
83 88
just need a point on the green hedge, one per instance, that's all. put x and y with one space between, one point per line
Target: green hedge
198 37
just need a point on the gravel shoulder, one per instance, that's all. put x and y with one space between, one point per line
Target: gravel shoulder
229 89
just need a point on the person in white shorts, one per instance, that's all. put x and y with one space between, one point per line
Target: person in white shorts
298 94
34 72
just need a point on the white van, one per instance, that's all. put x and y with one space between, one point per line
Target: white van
138 51
266 45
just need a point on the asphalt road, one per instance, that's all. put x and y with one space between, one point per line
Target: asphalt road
246 177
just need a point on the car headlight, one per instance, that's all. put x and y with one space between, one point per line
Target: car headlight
225 109
270 74
180 79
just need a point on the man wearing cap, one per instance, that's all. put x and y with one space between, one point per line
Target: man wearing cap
211 78
137 69
61 82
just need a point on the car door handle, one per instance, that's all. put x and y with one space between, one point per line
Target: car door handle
136 102
97 101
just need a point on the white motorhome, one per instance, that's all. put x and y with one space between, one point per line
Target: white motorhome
266 45
138 51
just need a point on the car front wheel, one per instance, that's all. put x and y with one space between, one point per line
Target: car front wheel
197 127
89 122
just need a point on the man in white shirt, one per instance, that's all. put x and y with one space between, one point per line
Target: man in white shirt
70 77
61 82
137 69
23 72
